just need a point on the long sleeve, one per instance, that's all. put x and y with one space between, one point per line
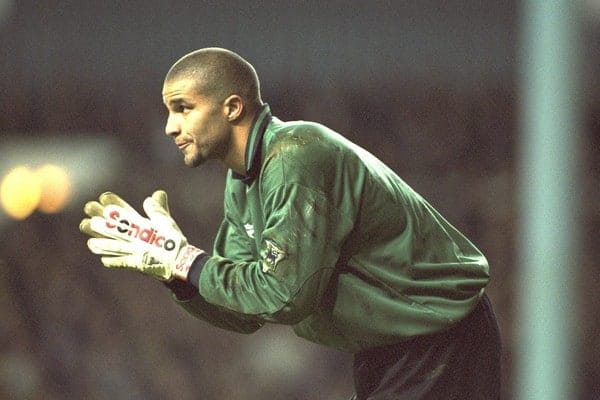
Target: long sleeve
197 306
299 246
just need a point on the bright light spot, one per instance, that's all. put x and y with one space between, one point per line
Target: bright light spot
20 192
56 188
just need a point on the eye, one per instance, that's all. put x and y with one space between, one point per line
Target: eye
181 108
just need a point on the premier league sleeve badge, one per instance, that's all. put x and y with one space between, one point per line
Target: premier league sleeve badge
271 255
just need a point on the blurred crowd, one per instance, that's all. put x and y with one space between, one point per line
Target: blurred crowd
72 329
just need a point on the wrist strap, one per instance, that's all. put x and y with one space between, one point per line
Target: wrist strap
185 260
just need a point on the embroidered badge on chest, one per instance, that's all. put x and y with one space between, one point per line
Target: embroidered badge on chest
271 255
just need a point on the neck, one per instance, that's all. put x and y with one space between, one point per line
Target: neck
236 159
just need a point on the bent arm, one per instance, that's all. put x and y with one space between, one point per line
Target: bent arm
300 245
186 295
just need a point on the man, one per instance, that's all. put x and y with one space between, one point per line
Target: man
318 234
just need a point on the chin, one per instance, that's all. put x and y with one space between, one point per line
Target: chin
194 162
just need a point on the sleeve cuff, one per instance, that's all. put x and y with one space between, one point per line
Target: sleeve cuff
185 291
182 291
193 277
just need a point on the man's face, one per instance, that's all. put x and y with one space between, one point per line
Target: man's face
198 124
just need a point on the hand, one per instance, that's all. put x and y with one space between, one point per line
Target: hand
112 217
125 239
97 209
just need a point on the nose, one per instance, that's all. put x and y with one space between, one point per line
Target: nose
172 128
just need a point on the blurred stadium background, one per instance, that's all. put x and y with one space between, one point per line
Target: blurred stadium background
430 87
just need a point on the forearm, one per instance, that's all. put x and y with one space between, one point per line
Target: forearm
220 317
244 288
186 295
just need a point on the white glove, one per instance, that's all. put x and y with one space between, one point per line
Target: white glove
154 246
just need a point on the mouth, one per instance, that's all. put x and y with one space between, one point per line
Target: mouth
182 145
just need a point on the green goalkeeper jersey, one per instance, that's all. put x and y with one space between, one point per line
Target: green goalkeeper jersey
321 235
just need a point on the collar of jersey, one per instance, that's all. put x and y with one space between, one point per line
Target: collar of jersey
253 147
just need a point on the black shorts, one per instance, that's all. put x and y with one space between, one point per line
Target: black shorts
460 363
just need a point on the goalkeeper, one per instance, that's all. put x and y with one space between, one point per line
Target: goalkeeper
317 234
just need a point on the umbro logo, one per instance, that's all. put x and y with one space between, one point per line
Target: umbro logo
249 230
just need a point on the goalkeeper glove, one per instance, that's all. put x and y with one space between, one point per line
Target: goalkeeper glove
154 246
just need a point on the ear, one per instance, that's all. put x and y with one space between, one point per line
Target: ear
234 108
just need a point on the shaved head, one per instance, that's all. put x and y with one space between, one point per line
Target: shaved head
217 74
